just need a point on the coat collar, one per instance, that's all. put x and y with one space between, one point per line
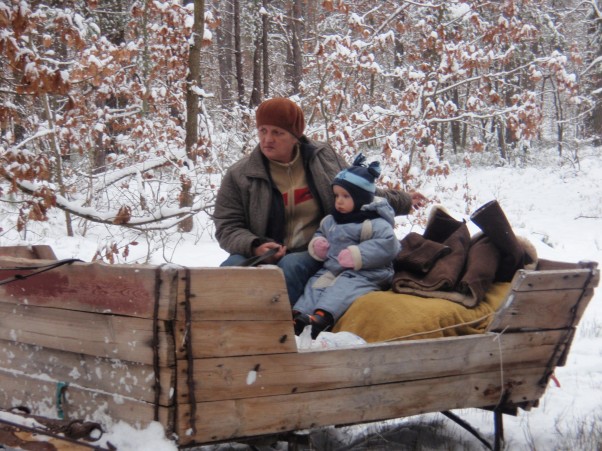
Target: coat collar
254 166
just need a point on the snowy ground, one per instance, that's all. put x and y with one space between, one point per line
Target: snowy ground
557 206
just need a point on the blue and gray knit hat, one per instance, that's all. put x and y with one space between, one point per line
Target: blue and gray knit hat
358 180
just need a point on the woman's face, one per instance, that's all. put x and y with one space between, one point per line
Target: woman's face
343 202
276 143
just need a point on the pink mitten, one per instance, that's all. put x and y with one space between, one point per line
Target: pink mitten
321 246
346 259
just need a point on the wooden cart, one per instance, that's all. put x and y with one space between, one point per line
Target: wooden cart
210 353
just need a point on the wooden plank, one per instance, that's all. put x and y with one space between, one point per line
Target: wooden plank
561 279
122 378
92 287
108 336
279 374
587 296
545 264
223 420
588 293
38 393
558 306
237 294
230 338
41 251
531 310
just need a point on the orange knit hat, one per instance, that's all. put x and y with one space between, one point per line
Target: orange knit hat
283 113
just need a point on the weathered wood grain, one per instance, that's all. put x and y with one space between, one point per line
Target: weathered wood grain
237 294
40 251
120 377
550 280
108 336
231 338
92 287
558 306
38 393
229 419
279 374
227 352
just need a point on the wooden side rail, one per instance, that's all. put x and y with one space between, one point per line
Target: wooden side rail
104 332
41 252
548 299
211 352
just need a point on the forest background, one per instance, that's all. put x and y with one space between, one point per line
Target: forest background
125 114
118 119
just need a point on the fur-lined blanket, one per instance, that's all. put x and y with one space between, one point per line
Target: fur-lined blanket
446 262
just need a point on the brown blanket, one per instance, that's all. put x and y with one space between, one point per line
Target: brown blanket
446 262
388 316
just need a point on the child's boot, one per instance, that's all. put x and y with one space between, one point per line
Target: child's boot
321 321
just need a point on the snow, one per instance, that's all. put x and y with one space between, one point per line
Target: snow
554 202
355 19
251 377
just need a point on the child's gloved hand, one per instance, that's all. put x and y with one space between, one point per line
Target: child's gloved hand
321 246
346 259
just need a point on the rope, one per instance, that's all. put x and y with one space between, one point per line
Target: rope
498 338
257 259
40 269
441 329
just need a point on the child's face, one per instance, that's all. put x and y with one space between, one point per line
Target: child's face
343 202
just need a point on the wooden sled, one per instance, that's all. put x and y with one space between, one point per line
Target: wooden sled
210 353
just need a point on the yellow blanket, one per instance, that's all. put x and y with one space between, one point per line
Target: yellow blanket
388 316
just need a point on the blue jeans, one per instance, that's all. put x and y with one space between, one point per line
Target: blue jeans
298 267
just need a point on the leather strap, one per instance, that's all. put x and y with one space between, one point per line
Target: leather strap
257 259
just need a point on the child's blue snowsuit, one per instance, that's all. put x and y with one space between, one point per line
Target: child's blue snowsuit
373 245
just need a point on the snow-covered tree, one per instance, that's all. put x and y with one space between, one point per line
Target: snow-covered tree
107 114
95 126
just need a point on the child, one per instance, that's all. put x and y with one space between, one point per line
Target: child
357 245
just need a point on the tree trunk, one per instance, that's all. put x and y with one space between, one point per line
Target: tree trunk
193 79
240 81
58 173
501 138
593 124
224 52
559 118
294 51
398 83
146 63
265 51
465 125
112 19
193 82
455 125
256 91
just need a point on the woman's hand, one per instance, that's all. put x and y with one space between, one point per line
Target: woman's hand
263 248
418 200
